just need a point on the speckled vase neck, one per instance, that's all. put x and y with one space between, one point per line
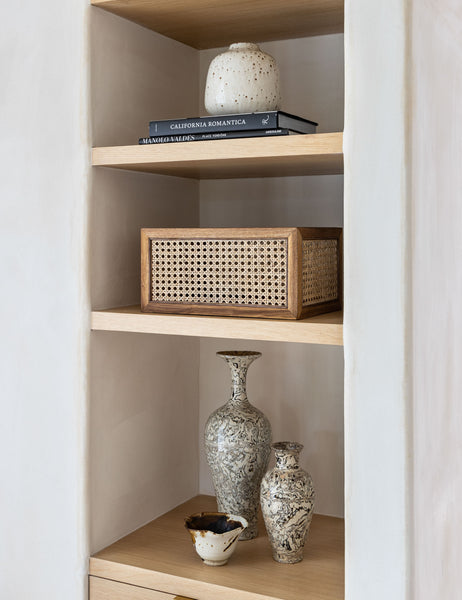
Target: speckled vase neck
239 363
287 455
244 46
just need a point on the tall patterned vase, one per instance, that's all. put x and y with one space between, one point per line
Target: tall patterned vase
238 445
287 501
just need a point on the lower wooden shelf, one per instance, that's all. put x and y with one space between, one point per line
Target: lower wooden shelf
161 557
322 329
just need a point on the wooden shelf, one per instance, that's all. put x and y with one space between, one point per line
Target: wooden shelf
160 556
322 329
309 154
210 24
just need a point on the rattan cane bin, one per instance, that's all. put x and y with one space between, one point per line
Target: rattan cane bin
287 273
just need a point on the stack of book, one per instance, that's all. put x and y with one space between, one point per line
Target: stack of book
261 124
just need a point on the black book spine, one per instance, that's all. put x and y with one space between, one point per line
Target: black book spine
198 137
250 121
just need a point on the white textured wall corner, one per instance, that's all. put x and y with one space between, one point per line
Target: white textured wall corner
437 298
377 300
44 153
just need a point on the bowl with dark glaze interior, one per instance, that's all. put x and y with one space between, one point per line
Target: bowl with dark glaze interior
215 535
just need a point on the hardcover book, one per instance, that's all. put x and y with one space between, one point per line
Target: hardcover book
275 119
219 135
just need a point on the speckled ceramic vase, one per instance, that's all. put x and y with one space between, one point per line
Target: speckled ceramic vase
243 79
238 445
287 501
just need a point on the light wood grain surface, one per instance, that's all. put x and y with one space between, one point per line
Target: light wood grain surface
160 556
313 154
210 24
322 329
105 589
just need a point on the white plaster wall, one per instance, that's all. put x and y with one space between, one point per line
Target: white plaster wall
376 318
437 297
143 445
137 75
273 202
44 300
144 408
122 202
299 387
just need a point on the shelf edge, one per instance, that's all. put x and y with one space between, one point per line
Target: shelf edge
324 329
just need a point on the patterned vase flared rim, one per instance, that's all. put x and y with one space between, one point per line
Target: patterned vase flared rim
238 353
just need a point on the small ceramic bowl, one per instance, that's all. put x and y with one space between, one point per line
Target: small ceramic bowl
215 535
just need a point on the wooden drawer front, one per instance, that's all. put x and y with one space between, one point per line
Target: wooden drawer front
105 589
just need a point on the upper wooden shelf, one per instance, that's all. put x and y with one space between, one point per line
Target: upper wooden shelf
213 23
314 154
161 556
322 329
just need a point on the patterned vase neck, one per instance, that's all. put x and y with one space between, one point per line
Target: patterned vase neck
238 362
287 454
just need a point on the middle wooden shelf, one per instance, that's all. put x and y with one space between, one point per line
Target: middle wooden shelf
291 155
322 329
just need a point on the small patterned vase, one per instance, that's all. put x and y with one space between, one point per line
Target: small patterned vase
238 445
287 501
243 79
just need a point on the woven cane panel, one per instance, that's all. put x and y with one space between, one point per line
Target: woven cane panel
204 271
319 271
